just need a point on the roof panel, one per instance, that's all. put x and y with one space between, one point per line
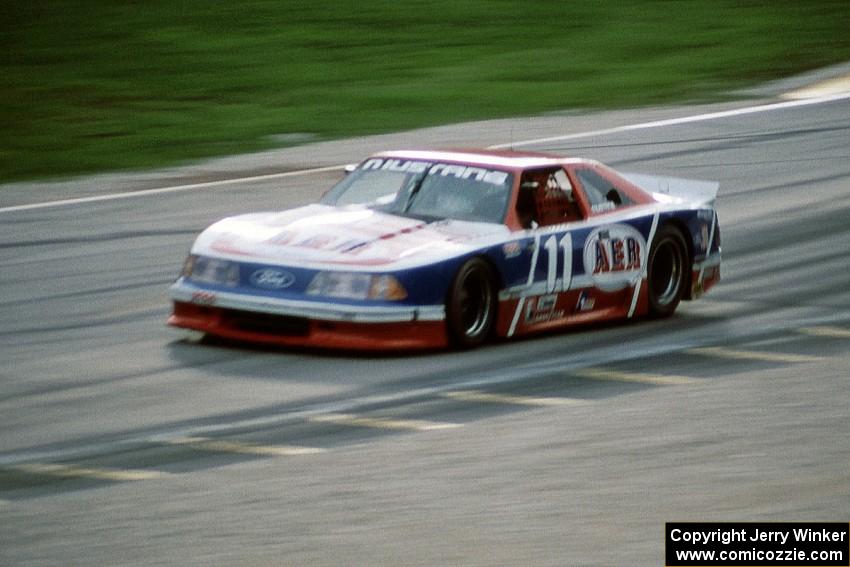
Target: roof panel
513 160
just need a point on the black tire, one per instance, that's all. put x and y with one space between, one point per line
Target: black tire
667 271
471 305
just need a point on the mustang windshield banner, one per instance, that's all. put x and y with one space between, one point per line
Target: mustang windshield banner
492 176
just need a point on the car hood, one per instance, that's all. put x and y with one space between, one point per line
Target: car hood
353 237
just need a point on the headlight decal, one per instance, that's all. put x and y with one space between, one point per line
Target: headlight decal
189 265
387 287
355 285
211 271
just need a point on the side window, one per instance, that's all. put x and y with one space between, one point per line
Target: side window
546 198
600 192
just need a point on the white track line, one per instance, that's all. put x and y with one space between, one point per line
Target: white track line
172 189
677 121
522 143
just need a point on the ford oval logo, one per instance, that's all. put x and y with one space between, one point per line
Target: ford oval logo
271 278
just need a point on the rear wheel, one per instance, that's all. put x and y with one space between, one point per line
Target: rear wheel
471 304
668 265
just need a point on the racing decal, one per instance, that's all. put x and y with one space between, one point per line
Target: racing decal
603 207
643 270
704 281
401 165
558 253
321 236
706 215
511 250
585 302
701 239
709 243
229 244
614 256
204 298
542 309
492 176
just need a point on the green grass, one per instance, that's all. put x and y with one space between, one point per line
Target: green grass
95 85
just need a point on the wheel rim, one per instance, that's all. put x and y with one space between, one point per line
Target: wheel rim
475 301
666 277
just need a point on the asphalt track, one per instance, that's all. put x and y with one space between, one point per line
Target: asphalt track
123 444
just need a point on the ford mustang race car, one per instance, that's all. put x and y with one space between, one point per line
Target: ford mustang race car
416 249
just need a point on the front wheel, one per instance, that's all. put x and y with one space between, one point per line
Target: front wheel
668 262
471 304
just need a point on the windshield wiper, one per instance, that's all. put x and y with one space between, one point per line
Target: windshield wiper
426 218
415 189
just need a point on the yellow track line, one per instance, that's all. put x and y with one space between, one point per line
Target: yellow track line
732 354
486 397
219 446
638 377
70 471
381 423
828 332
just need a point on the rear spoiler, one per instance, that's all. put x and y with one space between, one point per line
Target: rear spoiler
690 190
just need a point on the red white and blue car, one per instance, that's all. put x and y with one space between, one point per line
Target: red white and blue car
428 249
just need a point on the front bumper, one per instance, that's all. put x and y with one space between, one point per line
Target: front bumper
289 322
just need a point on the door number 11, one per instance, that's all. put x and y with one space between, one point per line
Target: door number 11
551 245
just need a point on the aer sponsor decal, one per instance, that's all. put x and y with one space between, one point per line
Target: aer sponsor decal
614 256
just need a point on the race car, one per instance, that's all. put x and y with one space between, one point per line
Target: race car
433 249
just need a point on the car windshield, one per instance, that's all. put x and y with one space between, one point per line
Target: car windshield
427 190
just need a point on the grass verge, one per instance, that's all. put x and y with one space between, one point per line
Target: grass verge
93 85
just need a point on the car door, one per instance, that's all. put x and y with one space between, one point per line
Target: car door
586 268
548 255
